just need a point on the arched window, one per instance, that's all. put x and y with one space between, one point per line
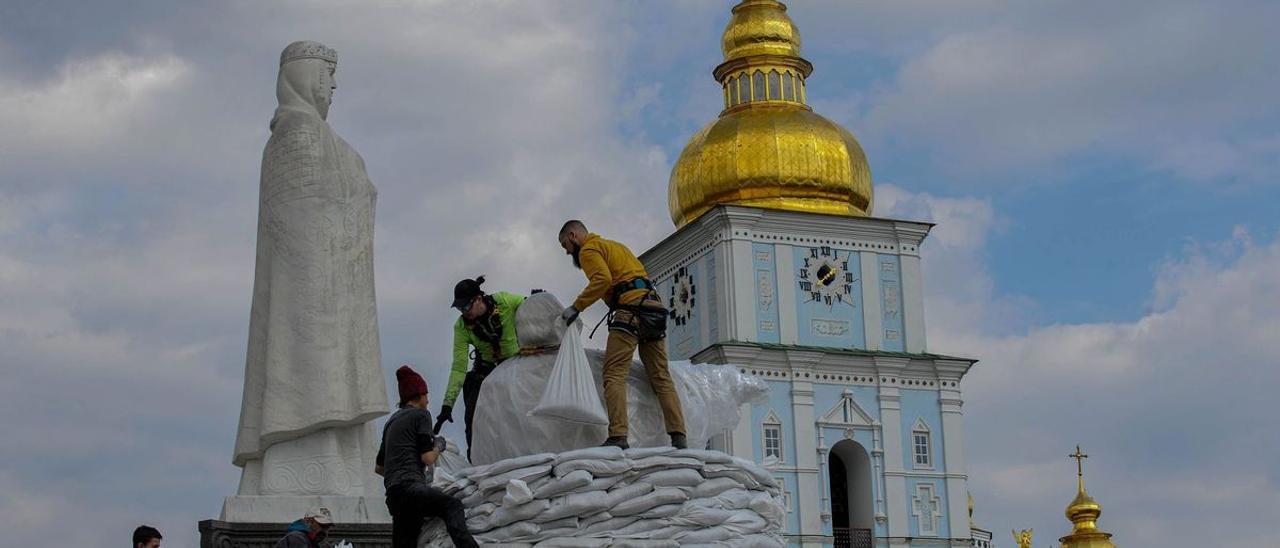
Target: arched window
733 91
771 437
775 86
921 445
788 89
757 86
744 89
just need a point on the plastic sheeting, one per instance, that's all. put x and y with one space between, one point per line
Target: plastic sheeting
710 394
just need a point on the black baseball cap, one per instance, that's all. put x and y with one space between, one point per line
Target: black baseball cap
466 290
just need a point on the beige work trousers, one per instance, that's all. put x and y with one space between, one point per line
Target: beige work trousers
617 363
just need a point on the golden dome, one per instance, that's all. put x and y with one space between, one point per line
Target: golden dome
1083 513
768 148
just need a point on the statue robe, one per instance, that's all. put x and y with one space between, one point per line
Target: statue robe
313 375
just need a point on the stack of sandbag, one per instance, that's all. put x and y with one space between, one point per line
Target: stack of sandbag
605 496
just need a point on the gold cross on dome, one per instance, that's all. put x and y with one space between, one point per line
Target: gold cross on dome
1079 461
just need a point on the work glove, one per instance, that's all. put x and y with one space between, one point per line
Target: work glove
569 315
440 444
446 415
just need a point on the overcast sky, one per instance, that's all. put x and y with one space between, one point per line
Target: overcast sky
1105 177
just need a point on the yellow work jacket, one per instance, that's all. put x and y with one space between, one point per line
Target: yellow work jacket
607 263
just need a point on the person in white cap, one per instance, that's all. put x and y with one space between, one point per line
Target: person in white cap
308 531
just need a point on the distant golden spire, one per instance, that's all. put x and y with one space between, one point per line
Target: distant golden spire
768 148
1083 513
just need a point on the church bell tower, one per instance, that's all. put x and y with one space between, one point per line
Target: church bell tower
778 266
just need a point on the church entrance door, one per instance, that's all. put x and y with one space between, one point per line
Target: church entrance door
852 516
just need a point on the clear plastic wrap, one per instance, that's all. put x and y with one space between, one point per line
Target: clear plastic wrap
571 393
711 395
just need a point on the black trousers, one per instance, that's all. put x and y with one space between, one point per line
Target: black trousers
411 504
471 395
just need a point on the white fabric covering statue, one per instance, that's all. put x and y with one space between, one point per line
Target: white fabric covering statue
712 396
313 375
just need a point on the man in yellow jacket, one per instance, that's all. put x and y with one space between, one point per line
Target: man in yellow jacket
637 318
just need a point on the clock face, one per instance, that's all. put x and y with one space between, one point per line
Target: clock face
683 293
825 277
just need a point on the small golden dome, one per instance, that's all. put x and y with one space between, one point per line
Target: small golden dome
768 148
1083 513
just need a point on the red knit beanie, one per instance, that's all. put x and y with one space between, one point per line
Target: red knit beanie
410 383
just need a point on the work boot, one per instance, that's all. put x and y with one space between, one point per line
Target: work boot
616 441
679 441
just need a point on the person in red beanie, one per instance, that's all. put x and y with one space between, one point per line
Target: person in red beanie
408 449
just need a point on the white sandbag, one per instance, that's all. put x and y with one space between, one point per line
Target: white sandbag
603 452
523 474
560 523
576 504
744 522
659 497
506 515
597 467
610 525
644 543
642 452
669 532
448 465
511 532
711 395
704 455
701 514
638 528
573 481
608 482
713 487
760 474
482 509
662 512
571 393
502 467
665 462
678 477
769 508
733 499
704 535
570 542
738 475
518 492
594 518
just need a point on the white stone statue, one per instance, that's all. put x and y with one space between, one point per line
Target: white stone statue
313 375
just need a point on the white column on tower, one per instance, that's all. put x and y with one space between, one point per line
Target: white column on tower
953 450
872 319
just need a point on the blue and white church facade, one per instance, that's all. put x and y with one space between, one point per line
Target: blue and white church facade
863 424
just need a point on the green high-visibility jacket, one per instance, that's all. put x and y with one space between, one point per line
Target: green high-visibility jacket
505 306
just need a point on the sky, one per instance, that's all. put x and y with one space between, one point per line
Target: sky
1104 177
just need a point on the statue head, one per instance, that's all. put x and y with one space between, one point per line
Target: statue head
306 81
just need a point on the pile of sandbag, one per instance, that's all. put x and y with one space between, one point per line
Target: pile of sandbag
605 496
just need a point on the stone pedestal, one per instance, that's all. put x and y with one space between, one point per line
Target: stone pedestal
221 534
286 509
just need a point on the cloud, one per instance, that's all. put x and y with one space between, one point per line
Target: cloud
88 101
1171 406
1005 90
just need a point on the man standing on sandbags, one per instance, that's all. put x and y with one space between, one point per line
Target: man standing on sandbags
486 331
637 318
408 448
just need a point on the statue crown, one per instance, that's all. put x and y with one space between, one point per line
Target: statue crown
307 49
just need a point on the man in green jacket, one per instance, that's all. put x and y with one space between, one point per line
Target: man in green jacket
485 332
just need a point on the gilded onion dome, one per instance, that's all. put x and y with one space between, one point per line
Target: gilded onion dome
1083 513
768 148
